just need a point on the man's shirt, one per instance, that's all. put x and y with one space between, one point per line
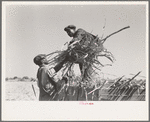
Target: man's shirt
45 83
84 37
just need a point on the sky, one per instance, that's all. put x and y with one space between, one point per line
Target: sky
32 29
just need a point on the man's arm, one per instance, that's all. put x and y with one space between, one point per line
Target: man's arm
78 36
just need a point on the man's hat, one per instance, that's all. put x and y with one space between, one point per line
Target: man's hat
37 59
70 27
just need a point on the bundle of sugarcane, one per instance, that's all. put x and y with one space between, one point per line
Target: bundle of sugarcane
124 89
87 55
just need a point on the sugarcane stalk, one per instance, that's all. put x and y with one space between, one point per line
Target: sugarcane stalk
103 29
110 90
118 94
113 96
61 89
117 81
142 91
97 88
115 91
67 70
142 97
103 40
127 93
130 94
86 94
33 90
121 93
53 53
131 79
135 89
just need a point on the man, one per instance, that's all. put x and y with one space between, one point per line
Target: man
45 83
79 36
47 86
81 39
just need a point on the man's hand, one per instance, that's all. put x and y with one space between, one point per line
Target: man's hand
48 87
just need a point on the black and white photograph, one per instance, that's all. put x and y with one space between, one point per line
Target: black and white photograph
74 56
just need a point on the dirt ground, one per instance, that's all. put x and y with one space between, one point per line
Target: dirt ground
21 91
